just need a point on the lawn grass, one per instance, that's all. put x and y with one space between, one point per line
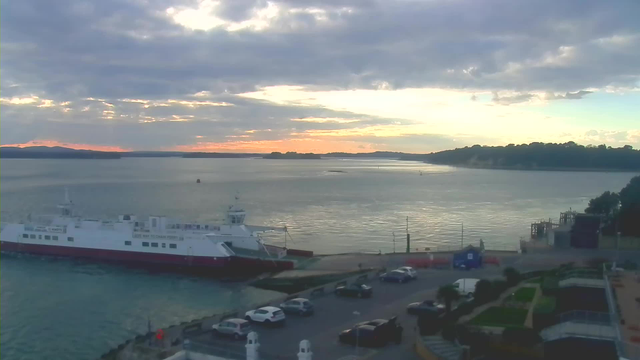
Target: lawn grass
524 294
500 317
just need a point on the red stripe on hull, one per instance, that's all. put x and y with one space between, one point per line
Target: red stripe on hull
236 263
128 256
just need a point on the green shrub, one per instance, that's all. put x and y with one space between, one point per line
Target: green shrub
549 285
512 276
521 336
596 262
498 287
429 323
449 331
483 292
545 305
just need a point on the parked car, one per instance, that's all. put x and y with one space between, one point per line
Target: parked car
235 328
374 333
355 290
418 308
266 315
466 286
298 306
409 271
395 276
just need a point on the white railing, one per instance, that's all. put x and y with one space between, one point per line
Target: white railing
613 313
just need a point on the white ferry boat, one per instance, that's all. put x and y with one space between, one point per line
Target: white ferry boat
157 240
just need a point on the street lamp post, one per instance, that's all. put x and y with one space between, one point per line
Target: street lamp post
357 313
618 247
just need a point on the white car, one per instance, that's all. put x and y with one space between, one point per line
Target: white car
409 271
266 315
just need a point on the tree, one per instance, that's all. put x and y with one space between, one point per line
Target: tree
512 275
606 204
483 292
630 208
448 294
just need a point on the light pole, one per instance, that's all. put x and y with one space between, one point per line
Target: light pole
618 247
357 313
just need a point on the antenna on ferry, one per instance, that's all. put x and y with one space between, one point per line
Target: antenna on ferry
66 196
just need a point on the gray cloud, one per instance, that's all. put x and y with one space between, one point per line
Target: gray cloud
117 49
514 99
568 95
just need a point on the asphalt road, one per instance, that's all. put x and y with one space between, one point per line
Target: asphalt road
334 314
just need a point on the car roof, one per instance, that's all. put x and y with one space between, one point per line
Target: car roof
406 267
397 272
299 299
235 321
366 327
269 308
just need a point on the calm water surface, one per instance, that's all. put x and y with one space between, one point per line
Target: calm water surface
76 309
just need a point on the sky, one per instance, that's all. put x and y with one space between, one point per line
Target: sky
318 75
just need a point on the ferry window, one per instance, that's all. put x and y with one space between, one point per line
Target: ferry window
127 243
39 237
32 236
154 244
26 236
173 246
47 237
55 238
145 244
164 245
70 238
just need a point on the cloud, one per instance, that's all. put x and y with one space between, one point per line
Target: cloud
166 71
514 99
568 95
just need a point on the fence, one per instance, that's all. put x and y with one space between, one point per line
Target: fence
584 317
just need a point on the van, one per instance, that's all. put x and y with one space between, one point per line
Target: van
466 286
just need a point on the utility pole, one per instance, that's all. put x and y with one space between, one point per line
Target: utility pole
408 237
394 242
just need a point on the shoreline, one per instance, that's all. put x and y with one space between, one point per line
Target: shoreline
543 168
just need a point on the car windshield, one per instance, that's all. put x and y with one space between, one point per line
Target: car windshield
245 326
306 304
277 312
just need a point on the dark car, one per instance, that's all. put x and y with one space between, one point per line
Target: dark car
418 308
395 276
374 333
355 290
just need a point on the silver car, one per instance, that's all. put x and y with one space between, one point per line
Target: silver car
235 328
300 306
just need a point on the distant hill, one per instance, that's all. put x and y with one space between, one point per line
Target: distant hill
376 154
537 156
292 156
198 155
152 154
56 152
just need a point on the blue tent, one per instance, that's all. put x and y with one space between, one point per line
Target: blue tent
468 258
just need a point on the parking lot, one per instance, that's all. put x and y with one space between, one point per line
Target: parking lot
334 314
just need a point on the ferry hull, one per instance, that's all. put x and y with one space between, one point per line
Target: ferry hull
234 265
